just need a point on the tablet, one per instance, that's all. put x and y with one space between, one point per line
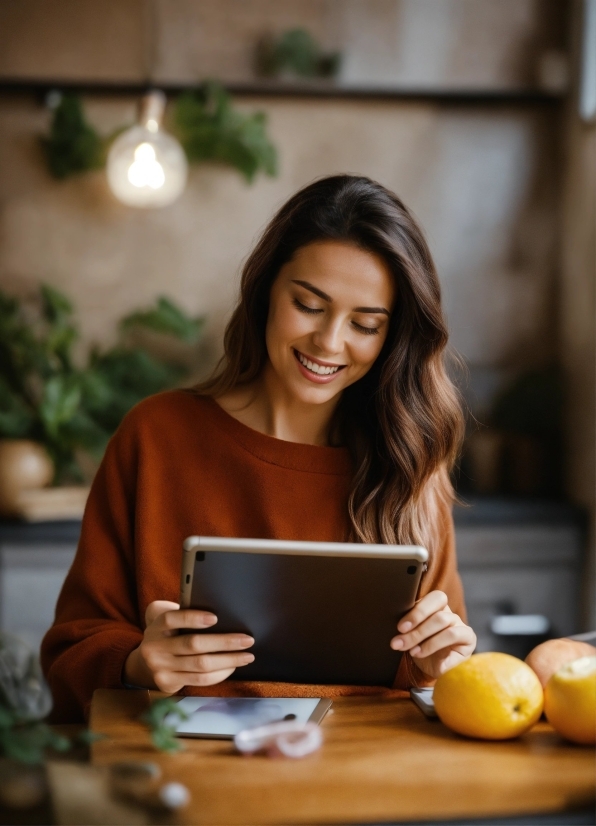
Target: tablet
320 612
221 718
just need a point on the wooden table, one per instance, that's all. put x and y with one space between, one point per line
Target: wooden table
381 761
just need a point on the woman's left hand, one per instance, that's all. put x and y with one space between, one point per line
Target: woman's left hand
435 637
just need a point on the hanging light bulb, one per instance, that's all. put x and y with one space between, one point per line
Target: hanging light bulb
146 166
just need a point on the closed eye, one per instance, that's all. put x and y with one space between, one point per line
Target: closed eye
368 331
303 308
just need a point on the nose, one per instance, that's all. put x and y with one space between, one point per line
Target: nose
328 338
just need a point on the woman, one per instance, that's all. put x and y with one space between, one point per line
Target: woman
330 418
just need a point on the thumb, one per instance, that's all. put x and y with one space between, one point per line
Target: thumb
158 607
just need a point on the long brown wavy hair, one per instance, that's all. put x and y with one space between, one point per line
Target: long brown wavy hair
402 421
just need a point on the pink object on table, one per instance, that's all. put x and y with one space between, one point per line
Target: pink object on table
282 739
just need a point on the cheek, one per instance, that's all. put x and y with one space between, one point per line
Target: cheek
285 325
366 350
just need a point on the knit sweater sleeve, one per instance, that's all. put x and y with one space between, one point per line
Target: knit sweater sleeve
96 624
442 575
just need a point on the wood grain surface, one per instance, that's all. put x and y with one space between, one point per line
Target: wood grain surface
381 760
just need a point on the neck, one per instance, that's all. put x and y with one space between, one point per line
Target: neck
265 407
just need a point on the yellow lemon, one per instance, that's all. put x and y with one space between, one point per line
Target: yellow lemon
491 696
570 700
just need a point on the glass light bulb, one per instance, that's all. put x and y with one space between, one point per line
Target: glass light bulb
146 170
146 167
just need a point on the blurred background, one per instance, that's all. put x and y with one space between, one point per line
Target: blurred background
124 222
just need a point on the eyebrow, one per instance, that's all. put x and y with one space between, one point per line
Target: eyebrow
328 298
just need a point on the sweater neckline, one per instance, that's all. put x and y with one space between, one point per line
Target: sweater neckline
334 461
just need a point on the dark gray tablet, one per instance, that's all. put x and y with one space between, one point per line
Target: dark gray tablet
320 612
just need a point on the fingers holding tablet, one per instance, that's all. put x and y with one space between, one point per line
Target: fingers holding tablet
435 637
168 660
189 644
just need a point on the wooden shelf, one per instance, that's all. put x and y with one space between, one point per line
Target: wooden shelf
285 89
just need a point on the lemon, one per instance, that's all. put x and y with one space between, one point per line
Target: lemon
491 696
570 700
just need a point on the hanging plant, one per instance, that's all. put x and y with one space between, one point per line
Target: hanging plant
73 145
296 52
210 129
208 126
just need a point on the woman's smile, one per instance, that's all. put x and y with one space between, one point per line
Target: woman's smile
316 370
329 313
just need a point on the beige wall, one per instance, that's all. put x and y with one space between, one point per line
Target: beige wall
482 182
486 44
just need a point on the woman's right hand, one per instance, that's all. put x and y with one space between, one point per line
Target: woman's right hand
169 661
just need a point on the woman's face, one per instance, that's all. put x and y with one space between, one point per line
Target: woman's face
328 319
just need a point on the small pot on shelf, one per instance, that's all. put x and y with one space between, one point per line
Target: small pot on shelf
26 471
24 465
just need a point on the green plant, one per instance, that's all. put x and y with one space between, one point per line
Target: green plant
25 740
210 129
25 700
295 52
73 145
161 728
46 396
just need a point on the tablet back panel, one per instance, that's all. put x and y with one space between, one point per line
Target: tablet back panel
315 619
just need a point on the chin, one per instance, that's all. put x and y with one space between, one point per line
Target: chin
313 395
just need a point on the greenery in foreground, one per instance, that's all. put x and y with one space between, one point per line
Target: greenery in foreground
159 718
25 702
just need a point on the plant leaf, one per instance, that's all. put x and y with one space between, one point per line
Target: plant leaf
61 399
16 418
166 317
7 717
129 375
27 743
44 397
163 735
73 145
210 129
88 737
296 52
164 740
56 306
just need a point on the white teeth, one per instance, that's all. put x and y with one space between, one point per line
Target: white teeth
316 368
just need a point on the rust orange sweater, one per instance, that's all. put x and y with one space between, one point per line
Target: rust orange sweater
180 465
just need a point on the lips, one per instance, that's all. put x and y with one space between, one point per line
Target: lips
315 370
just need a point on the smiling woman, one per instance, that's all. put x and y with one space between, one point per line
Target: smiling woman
335 328
330 418
320 339
342 277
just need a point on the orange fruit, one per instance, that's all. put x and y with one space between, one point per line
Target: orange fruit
490 696
549 656
570 700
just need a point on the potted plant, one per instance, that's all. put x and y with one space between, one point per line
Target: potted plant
54 412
